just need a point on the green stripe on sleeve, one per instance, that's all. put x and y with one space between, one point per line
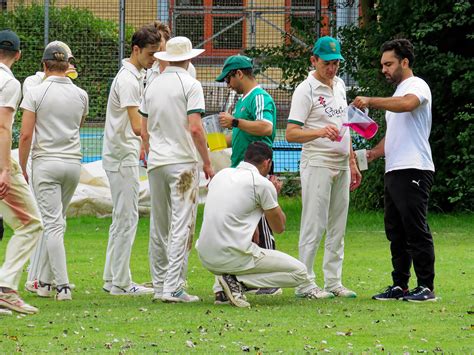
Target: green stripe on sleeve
201 111
296 122
143 114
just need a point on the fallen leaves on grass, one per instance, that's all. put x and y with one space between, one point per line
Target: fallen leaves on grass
190 344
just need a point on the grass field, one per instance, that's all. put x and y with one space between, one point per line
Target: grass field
97 322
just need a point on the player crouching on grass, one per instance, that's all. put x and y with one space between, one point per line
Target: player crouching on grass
236 201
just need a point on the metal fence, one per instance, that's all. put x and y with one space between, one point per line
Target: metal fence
98 33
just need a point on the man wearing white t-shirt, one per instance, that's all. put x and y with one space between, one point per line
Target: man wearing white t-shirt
236 201
409 173
120 159
172 106
17 205
328 169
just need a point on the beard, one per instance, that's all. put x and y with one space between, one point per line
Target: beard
395 78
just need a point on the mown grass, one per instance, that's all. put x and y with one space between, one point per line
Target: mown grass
97 322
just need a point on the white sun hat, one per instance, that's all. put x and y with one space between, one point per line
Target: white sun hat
177 50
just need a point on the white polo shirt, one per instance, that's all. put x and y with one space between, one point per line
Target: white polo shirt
59 106
10 89
235 203
314 105
121 145
407 137
32 81
154 72
166 103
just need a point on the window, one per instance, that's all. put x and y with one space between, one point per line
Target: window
218 26
300 16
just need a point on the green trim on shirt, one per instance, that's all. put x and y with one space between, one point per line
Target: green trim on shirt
199 110
296 122
142 113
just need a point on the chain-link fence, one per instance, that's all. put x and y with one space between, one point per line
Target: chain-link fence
98 33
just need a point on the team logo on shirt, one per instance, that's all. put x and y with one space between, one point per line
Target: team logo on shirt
331 112
322 101
242 109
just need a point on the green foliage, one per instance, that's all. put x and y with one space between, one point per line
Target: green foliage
292 56
441 32
93 41
291 185
442 35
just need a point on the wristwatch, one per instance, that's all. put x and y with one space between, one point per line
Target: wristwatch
235 122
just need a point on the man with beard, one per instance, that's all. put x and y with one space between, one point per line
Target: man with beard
252 120
409 172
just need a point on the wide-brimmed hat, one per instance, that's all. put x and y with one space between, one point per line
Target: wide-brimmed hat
177 50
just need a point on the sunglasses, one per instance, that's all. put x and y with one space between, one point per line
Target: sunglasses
229 76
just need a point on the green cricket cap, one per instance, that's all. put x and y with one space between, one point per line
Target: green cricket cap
328 48
234 62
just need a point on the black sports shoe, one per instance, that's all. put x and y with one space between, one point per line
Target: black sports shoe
420 294
221 298
233 290
264 291
391 293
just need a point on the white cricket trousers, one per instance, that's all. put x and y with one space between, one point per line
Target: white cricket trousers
54 183
19 211
124 187
325 199
274 269
174 199
33 267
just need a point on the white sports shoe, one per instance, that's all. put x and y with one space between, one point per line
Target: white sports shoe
31 286
132 290
107 286
315 293
5 312
45 290
341 291
179 297
11 300
64 294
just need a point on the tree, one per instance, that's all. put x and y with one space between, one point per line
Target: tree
441 32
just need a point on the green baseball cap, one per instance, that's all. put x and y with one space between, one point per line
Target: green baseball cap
233 63
328 48
9 40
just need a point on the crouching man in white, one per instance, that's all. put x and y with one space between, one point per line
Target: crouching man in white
236 200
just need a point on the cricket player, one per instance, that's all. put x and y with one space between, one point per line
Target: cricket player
172 107
253 120
31 284
121 154
53 113
17 205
